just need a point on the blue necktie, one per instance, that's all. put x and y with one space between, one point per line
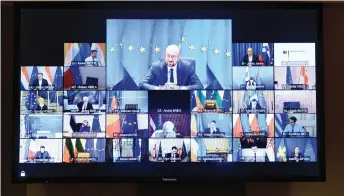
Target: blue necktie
171 76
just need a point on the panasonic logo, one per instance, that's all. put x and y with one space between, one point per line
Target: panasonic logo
169 179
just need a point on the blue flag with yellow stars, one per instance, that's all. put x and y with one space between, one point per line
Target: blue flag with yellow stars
96 123
129 123
135 44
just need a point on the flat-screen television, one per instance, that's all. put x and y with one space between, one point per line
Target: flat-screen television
168 91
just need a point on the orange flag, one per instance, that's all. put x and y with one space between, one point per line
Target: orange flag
114 103
260 59
199 104
238 132
193 126
114 128
303 72
254 125
66 155
271 127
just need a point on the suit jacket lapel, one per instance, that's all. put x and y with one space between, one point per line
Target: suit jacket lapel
163 73
179 73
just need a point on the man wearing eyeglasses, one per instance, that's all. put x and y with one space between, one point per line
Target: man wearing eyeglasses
171 73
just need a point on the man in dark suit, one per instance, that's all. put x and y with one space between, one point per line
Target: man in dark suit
296 156
40 82
173 156
212 129
42 154
254 106
171 73
84 105
85 127
249 59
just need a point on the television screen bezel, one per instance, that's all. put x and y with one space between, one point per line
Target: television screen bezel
18 6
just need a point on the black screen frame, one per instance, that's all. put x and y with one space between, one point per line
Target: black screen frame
276 172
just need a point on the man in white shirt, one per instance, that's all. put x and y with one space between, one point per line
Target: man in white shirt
92 60
166 132
293 127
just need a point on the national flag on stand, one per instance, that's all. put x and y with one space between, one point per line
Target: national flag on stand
72 123
227 101
270 149
31 100
114 101
309 151
194 150
68 151
281 123
237 154
32 150
85 51
263 126
34 74
247 75
261 100
237 129
193 126
57 83
25 81
96 124
245 122
100 53
214 95
193 100
78 147
136 148
72 73
184 153
282 152
27 126
254 126
289 76
114 128
129 123
266 57
154 152
271 125
202 149
303 73
160 151
72 53
199 100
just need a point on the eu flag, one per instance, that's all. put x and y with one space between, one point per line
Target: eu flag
96 124
58 79
289 77
184 153
138 43
136 148
226 101
43 94
34 74
31 100
160 151
129 123
85 50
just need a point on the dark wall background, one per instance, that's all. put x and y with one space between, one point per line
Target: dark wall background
333 15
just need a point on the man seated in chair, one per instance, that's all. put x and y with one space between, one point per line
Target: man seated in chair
171 73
